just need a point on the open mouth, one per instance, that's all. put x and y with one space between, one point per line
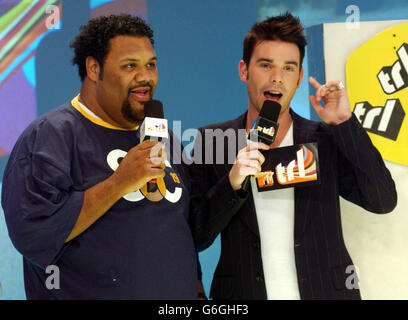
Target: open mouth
141 93
273 95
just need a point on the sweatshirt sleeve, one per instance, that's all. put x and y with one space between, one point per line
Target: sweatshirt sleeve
40 203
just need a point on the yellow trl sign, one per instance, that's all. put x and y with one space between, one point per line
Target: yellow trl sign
377 86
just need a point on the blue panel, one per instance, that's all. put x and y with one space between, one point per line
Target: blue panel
53 59
3 163
11 266
199 46
96 3
314 35
209 260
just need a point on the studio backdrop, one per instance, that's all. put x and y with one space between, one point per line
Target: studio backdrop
199 46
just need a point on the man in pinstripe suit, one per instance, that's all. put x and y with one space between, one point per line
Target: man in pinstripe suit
288 243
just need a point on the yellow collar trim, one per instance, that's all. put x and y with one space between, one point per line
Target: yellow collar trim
75 103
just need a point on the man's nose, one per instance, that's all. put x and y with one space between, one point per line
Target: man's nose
275 75
143 74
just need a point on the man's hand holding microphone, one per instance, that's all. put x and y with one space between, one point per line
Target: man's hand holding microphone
247 163
249 160
142 164
145 162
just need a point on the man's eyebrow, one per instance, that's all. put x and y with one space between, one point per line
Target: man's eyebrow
292 62
129 59
264 60
271 61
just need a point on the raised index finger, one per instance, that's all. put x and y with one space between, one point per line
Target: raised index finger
314 83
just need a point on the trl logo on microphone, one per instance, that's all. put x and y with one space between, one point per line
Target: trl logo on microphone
292 166
154 129
268 131
157 128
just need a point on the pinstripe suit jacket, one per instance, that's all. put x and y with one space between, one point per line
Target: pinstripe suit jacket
350 166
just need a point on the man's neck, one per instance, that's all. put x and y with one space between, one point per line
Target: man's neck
87 97
284 120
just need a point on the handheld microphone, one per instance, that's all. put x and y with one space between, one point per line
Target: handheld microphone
265 128
154 127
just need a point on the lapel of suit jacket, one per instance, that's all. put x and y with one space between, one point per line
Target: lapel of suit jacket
236 125
247 214
304 131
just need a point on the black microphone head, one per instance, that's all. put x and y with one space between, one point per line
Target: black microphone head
154 109
267 124
270 110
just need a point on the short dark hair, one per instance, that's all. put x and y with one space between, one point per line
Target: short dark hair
284 27
93 39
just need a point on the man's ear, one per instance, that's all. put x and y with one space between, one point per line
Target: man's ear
300 78
93 69
243 71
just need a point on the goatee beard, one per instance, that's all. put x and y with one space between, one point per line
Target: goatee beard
129 114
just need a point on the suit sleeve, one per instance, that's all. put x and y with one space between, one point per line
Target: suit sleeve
40 203
363 176
213 201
